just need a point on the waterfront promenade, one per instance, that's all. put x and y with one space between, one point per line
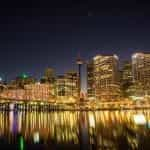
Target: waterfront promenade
43 105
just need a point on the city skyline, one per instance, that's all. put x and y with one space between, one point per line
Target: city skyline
106 83
75 74
83 70
38 35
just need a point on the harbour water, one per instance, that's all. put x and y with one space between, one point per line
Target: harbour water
87 130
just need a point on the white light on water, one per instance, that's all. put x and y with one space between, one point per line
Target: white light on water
91 121
11 106
139 119
36 137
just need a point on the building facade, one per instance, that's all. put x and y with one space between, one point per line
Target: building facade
105 77
90 81
30 92
141 70
126 78
39 91
49 76
127 72
22 80
67 85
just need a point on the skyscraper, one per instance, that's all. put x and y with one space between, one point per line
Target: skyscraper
127 72
141 69
105 77
126 78
90 80
79 62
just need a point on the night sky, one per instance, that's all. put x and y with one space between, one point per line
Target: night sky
39 34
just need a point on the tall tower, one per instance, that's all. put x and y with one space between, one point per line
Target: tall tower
79 63
141 70
90 80
105 77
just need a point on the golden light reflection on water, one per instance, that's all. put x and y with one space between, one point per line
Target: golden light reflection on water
103 129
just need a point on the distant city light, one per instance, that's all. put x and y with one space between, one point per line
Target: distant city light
24 75
115 56
134 56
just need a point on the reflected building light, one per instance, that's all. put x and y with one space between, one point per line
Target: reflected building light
19 121
11 120
38 83
36 137
91 121
148 124
11 107
21 143
137 97
139 119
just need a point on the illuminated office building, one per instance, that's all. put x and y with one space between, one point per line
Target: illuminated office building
39 91
49 76
79 62
127 72
22 80
126 78
72 84
36 92
90 81
67 85
15 94
141 70
105 77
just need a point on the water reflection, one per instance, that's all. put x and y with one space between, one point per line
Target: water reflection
103 130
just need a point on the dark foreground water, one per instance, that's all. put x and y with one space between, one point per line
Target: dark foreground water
73 130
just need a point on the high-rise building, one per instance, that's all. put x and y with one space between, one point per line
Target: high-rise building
79 62
67 85
49 76
90 80
105 77
72 83
141 70
126 78
127 72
